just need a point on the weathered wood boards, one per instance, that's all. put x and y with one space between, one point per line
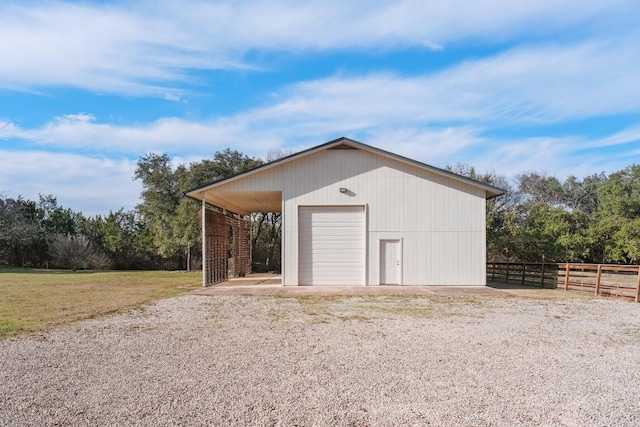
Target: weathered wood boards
544 275
602 279
227 247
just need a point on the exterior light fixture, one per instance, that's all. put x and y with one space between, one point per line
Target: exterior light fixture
343 190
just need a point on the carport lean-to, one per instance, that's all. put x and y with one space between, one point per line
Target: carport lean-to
226 233
351 214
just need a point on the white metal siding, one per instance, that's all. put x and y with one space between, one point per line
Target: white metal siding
440 220
332 245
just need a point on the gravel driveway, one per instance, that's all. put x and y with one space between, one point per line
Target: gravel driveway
361 361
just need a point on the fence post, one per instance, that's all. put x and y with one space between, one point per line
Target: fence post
638 287
542 277
506 280
566 277
598 278
524 270
493 271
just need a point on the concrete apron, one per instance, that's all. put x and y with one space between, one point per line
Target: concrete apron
271 285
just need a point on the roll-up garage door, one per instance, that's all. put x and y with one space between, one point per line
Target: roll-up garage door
331 245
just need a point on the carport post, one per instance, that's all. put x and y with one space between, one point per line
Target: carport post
204 240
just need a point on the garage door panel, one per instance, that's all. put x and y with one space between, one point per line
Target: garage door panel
331 245
330 274
337 260
329 250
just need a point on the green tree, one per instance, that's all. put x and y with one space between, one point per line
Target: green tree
54 220
122 238
160 198
618 216
20 232
500 212
171 218
553 218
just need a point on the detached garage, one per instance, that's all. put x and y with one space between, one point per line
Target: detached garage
356 215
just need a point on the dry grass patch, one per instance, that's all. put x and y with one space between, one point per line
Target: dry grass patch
404 307
325 308
541 293
37 300
321 308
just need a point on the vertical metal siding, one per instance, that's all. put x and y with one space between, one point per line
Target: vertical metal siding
441 220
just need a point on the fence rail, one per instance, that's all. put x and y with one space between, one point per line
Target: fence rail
601 279
543 275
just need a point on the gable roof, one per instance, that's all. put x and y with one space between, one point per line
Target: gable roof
345 143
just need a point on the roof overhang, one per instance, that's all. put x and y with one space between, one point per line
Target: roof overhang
241 202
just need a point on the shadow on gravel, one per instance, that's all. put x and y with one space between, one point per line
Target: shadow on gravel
502 285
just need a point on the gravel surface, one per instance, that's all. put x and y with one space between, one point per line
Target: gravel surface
361 361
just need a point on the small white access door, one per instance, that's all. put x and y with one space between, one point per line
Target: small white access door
390 262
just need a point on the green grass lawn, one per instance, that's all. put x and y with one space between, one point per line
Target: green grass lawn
37 300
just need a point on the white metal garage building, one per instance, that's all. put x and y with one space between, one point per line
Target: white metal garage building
357 215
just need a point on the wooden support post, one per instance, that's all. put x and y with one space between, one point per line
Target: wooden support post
524 271
598 278
566 277
204 240
250 241
638 287
506 280
542 275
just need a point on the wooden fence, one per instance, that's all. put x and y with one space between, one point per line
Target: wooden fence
543 275
601 279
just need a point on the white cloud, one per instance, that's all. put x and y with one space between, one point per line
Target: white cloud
439 118
151 47
90 184
172 97
95 185
9 130
434 146
531 86
625 136
444 117
79 117
543 84
557 156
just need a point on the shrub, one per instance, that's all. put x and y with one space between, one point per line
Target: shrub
76 253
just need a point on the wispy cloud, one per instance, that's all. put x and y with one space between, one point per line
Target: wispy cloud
542 84
441 115
630 135
548 84
99 184
175 135
150 47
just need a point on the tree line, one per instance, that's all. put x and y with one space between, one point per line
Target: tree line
595 219
162 232
540 217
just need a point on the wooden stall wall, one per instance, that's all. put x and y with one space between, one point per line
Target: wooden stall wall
228 247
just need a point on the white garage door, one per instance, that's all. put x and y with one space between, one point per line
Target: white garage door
331 245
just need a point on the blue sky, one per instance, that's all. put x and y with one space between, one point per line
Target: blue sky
86 88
